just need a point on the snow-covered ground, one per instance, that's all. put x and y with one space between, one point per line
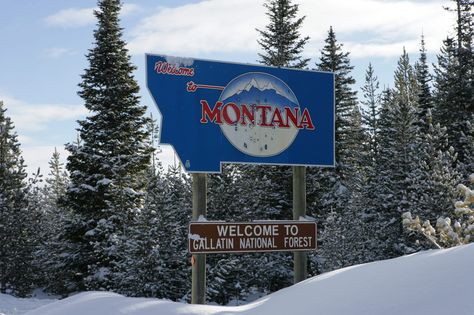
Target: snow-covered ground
10 305
432 282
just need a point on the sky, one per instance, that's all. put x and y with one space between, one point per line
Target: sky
44 43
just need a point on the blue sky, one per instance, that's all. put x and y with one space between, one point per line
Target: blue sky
44 44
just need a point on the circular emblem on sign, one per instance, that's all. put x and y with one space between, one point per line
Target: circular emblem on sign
260 106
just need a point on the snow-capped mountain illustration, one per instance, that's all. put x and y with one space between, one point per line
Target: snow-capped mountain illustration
261 87
257 96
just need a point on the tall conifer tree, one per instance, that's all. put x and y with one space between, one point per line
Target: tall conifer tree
371 112
270 186
454 77
281 40
423 77
339 189
334 59
16 222
53 217
433 178
107 167
398 138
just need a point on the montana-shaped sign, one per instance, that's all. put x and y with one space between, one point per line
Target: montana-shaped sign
220 112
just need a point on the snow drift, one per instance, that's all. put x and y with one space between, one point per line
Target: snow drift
431 282
10 305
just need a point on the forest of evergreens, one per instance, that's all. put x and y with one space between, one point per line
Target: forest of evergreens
112 218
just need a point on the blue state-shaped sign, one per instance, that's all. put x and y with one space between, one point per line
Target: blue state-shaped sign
220 112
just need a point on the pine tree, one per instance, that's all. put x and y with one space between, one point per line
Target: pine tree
268 188
467 142
226 201
35 231
454 78
333 190
347 125
338 189
281 40
107 168
141 272
371 122
433 178
398 136
57 180
371 112
53 218
405 110
16 222
224 284
173 234
423 77
451 230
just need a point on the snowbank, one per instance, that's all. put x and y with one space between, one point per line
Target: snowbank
432 282
10 305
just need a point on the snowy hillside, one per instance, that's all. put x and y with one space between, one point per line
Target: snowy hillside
432 282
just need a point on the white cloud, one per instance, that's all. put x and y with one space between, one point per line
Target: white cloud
207 26
58 52
130 8
361 50
79 17
35 117
382 28
31 118
217 26
73 17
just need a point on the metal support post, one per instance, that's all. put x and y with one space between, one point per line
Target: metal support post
299 210
198 286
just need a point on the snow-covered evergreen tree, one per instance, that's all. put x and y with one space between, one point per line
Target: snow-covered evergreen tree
433 178
57 180
141 272
281 40
53 218
35 230
366 201
224 275
107 168
226 192
268 188
17 233
338 189
371 112
467 142
423 77
174 218
398 138
334 59
454 77
450 231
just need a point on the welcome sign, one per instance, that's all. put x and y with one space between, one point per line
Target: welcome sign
220 112
262 236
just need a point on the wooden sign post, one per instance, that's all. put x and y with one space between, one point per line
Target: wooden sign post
198 269
299 210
